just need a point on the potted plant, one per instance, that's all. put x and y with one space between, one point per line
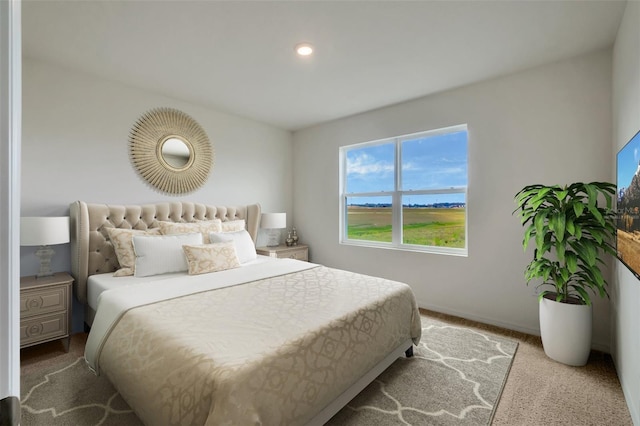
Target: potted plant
571 229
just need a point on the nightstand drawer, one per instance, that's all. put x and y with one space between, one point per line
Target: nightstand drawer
38 302
301 254
43 328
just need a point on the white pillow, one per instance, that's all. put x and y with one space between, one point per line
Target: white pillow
122 241
245 248
162 254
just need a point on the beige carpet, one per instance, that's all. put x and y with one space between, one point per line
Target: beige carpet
540 391
455 378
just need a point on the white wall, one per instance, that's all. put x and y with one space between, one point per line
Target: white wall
75 147
547 125
625 304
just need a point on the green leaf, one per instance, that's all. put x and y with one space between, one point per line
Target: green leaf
593 195
578 231
584 250
527 236
578 208
537 203
596 214
552 223
597 274
583 294
561 195
572 261
608 200
592 253
540 196
560 226
571 229
546 247
597 235
541 228
560 249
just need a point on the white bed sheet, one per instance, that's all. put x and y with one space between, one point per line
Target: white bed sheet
96 284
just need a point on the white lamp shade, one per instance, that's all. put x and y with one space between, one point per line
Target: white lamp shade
44 231
273 220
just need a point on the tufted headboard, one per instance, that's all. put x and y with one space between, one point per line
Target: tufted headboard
92 252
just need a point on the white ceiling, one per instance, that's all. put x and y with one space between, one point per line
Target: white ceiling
237 56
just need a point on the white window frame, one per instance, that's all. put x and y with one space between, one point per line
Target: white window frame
396 196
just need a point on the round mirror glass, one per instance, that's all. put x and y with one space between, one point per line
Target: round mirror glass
176 152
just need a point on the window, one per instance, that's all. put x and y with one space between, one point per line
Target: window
408 192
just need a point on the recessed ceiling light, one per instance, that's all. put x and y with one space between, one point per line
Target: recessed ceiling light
304 49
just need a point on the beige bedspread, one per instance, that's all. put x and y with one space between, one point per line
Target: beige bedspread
271 352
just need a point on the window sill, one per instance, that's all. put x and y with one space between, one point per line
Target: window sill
448 251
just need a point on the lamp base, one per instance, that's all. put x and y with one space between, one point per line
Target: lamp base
45 253
273 237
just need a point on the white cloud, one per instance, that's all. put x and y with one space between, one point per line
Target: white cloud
449 171
409 165
364 164
434 169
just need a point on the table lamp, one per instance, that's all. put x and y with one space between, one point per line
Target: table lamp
44 232
273 222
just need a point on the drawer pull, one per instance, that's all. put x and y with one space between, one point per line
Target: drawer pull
36 303
34 330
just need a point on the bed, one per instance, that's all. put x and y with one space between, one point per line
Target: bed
271 341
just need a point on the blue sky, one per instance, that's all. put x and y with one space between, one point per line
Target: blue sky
431 162
628 159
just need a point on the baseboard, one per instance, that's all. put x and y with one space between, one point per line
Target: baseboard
10 411
634 409
598 346
634 406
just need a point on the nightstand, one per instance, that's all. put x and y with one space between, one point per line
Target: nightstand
45 309
300 252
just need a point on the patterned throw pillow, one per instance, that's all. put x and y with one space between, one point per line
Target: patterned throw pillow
233 225
122 240
207 258
204 227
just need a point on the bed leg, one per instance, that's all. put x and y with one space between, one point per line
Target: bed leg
409 352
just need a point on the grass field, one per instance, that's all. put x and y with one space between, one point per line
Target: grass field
423 226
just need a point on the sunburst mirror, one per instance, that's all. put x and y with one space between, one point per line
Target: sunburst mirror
170 151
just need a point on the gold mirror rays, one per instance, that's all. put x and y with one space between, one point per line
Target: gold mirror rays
170 151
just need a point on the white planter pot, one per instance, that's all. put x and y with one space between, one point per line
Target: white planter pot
566 331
